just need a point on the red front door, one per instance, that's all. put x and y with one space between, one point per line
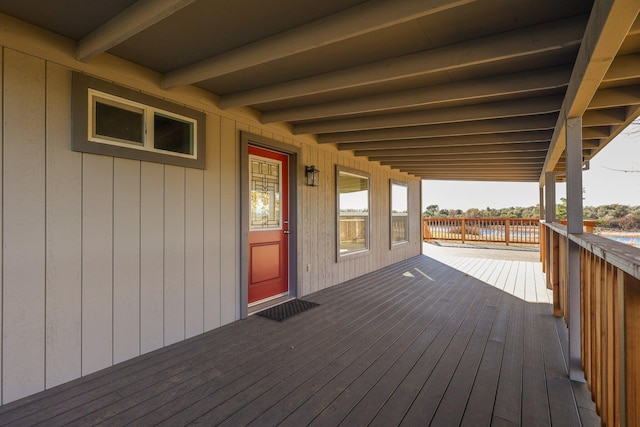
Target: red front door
268 224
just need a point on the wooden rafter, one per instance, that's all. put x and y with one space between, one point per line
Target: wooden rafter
609 23
490 148
136 18
487 111
478 89
519 43
357 20
494 126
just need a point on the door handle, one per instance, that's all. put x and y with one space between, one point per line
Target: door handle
286 232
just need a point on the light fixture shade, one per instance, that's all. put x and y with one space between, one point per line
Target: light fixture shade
312 176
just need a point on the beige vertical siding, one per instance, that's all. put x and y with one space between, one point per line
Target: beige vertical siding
97 263
194 253
23 225
151 256
212 227
106 258
126 259
63 236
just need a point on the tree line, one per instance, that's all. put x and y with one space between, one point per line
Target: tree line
614 216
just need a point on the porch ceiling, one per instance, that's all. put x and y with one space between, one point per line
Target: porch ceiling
441 89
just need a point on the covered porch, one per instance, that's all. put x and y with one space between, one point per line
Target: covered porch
439 339
124 277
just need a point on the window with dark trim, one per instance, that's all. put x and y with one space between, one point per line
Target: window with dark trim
399 197
353 201
121 122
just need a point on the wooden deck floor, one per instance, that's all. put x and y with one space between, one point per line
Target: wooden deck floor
418 343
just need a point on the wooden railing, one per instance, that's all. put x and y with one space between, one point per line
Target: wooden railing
500 230
609 320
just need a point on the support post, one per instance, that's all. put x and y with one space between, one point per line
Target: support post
574 226
541 229
549 217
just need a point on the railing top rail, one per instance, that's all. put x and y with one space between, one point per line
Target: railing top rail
557 227
482 218
620 255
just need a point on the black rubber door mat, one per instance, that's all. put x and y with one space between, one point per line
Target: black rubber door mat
286 310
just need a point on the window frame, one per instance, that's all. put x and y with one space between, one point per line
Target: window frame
356 252
87 90
393 243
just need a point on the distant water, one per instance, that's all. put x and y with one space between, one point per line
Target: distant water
634 241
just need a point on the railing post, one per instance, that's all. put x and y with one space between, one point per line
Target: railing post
507 231
462 229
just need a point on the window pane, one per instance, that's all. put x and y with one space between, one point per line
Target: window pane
399 213
117 123
171 134
399 229
354 212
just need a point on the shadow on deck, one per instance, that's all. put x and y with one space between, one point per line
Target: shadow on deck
417 343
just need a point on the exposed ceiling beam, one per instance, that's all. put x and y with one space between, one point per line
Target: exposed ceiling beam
460 156
532 172
613 116
608 26
623 68
136 18
493 110
475 176
454 175
593 143
430 161
487 175
635 28
354 21
632 112
529 175
485 88
520 43
516 124
464 168
495 138
485 179
600 132
494 148
616 97
456 169
590 143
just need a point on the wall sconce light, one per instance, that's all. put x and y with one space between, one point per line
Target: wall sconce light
312 175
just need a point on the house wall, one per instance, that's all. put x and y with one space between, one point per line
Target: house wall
104 258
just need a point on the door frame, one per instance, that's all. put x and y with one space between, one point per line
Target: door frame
246 139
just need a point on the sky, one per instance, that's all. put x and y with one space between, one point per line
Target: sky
606 182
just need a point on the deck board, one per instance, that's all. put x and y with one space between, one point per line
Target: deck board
441 341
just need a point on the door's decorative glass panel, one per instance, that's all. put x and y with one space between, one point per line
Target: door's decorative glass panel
265 184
